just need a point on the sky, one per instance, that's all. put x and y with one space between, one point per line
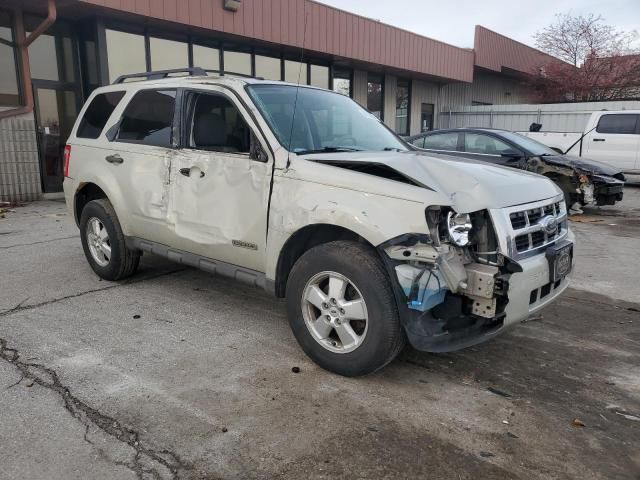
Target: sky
453 21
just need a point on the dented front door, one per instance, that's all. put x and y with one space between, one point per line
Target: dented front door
219 206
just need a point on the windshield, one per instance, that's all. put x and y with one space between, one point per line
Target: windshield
533 146
323 120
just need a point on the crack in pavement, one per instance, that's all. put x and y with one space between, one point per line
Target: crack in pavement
38 243
20 307
90 417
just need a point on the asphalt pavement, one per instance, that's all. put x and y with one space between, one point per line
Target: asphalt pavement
175 373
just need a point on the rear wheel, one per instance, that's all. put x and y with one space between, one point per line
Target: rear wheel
104 243
342 310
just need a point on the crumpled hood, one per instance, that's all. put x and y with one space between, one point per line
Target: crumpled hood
584 165
469 185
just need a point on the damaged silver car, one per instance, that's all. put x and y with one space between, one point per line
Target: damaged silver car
304 193
584 182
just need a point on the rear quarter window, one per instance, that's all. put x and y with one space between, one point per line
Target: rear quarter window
97 114
618 123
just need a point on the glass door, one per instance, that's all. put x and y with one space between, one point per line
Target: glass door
426 117
56 109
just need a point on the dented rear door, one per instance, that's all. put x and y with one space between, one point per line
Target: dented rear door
139 158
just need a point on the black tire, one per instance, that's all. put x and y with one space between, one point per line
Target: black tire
361 265
123 262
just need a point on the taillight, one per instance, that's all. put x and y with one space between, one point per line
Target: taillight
65 158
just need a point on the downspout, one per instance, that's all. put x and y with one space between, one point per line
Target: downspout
23 42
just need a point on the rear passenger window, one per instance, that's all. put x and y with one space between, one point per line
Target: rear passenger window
442 141
97 114
148 118
484 144
619 123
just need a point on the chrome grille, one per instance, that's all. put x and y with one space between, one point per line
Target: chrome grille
528 229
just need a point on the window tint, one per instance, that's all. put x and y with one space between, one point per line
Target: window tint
319 76
342 81
620 123
218 126
476 143
97 114
148 118
295 72
168 54
237 62
206 57
268 68
418 142
403 100
125 53
374 96
8 78
442 141
51 55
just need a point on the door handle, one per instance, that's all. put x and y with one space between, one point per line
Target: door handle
598 139
187 172
117 159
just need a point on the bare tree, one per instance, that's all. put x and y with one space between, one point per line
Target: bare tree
596 61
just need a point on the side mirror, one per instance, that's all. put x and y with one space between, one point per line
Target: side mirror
256 152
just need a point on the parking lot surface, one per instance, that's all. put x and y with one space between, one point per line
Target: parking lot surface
179 374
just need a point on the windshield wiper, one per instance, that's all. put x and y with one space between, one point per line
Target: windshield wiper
393 149
329 149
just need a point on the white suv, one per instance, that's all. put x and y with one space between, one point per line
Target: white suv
304 193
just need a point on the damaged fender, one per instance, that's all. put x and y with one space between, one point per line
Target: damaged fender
445 299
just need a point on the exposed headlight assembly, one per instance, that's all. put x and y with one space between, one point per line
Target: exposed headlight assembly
458 227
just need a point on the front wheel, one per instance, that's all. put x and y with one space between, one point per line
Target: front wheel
342 310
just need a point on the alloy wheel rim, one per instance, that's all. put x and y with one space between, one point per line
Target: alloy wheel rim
335 312
98 242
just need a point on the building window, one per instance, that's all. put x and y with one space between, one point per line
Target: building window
375 95
206 57
237 62
475 103
51 54
168 54
403 101
426 117
320 76
125 53
268 68
9 93
342 81
295 72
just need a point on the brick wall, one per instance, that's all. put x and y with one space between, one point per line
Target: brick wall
19 167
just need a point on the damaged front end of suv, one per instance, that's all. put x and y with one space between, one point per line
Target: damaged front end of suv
453 284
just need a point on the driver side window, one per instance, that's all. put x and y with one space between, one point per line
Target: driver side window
217 125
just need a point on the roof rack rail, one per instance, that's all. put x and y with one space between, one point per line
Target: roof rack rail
230 74
159 74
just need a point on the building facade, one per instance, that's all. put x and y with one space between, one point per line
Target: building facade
53 53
